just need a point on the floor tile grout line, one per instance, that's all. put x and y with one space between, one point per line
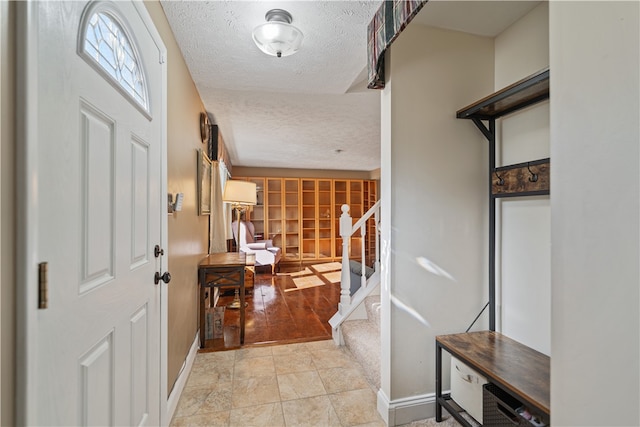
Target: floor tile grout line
246 354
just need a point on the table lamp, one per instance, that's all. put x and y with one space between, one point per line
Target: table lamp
240 194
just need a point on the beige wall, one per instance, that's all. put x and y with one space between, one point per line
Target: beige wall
375 174
436 169
304 173
528 41
7 214
595 230
595 281
523 234
432 75
188 240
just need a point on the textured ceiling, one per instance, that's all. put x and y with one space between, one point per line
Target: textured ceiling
284 112
309 110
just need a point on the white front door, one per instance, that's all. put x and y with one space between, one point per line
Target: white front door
93 183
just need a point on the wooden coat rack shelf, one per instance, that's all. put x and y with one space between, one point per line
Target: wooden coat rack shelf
514 97
518 374
523 179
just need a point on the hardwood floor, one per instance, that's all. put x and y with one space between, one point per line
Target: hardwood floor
278 312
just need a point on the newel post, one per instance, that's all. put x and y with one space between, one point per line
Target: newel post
345 233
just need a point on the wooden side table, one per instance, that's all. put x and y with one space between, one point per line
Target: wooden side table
224 269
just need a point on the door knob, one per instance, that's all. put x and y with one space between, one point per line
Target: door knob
166 277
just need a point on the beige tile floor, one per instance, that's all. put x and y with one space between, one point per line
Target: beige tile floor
306 384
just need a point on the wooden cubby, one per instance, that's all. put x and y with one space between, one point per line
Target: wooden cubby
351 193
316 219
324 221
274 212
309 229
291 226
370 198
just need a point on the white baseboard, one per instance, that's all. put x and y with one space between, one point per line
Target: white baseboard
176 392
405 410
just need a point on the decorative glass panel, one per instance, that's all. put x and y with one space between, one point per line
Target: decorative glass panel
107 44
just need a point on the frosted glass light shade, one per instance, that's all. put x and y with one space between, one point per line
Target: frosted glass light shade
277 37
240 192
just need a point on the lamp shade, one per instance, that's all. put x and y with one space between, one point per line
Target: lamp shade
277 37
240 192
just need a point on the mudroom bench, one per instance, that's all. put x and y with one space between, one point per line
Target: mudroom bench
517 392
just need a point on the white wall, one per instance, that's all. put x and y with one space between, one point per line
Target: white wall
595 212
523 276
436 167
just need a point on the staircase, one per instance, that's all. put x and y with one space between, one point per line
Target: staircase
362 338
356 324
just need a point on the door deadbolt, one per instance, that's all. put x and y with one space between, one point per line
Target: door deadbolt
157 251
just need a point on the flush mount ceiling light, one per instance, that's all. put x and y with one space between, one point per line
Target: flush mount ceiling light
277 37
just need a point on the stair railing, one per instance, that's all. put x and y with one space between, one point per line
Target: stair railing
347 230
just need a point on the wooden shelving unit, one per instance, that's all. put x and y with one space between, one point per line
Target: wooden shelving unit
309 229
302 215
291 226
317 222
524 179
356 200
274 217
515 371
370 198
324 220
351 193
340 197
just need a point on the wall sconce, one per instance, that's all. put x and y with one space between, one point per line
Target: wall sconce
177 206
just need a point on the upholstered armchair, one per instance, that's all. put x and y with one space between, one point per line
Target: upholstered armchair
263 250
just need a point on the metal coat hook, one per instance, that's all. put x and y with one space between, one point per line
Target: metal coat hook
534 176
500 179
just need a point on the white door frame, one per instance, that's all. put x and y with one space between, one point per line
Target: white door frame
27 211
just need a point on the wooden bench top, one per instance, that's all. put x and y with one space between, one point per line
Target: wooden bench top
521 370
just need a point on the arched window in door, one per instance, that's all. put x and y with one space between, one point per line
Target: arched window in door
106 45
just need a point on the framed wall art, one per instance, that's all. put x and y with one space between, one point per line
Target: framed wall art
204 183
204 128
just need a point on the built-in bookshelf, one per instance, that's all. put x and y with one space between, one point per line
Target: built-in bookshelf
302 215
291 225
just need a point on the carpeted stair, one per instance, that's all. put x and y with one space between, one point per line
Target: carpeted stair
362 338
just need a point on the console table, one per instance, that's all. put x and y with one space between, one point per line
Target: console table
518 370
218 270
